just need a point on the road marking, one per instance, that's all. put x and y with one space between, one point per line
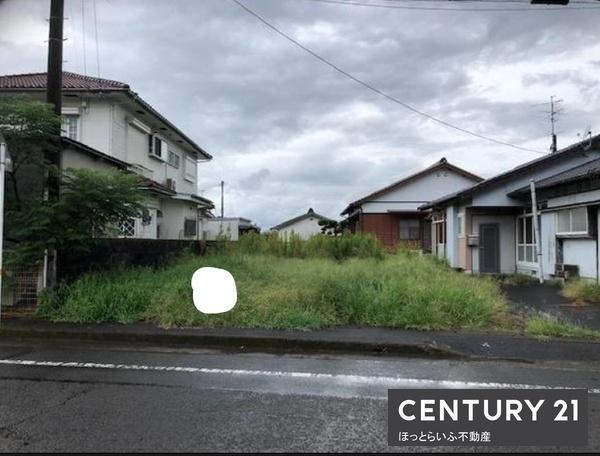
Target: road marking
341 378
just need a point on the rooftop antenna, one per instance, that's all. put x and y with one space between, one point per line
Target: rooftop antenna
587 134
554 112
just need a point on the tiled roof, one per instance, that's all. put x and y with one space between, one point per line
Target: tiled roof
77 82
588 169
71 81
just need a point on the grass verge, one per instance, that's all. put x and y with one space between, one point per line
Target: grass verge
550 327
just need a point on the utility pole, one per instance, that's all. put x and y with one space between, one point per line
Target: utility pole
2 168
55 55
54 97
553 114
222 199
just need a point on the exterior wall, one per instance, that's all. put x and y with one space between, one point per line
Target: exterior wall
461 242
549 245
174 214
148 231
422 190
211 229
386 228
507 232
134 142
582 253
577 198
77 160
451 237
304 228
94 125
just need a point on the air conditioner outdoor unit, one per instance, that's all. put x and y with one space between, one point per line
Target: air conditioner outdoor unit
170 184
567 270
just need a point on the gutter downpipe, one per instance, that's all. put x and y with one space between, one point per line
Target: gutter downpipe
536 227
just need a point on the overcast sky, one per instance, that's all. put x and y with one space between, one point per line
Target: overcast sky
287 132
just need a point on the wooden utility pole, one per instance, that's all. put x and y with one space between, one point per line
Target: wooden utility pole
222 199
55 55
54 97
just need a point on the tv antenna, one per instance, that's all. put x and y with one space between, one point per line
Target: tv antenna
587 134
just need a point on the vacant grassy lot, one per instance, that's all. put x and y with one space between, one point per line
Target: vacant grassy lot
312 285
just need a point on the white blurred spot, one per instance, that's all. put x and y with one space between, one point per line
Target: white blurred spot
214 290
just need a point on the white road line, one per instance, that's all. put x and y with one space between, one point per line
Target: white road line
341 378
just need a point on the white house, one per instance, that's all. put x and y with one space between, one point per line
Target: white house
305 225
392 212
108 125
489 228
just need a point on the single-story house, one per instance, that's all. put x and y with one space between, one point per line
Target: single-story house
305 225
568 206
489 227
231 228
392 213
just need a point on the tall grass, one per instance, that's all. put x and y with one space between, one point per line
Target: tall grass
582 290
304 286
321 245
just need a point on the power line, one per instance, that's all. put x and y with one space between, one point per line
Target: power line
375 89
458 8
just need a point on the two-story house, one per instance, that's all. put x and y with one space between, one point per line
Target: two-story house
106 124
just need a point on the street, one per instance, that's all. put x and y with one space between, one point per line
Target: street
67 396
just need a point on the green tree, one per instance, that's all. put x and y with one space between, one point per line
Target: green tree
91 205
30 130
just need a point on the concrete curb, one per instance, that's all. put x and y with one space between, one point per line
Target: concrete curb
246 343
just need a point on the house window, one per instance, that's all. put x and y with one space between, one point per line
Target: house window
526 248
190 169
572 221
174 159
440 231
189 228
70 126
410 229
127 228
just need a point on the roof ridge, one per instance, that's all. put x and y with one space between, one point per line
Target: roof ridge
441 163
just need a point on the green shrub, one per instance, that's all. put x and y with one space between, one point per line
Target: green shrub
319 245
582 290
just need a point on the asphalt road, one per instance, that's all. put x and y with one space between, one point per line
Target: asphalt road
89 397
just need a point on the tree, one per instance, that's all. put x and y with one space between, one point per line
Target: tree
92 203
334 228
29 129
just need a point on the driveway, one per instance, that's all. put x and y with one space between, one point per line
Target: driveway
549 299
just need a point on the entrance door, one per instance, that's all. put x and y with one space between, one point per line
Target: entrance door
489 248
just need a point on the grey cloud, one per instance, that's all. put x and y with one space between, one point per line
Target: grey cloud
288 132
